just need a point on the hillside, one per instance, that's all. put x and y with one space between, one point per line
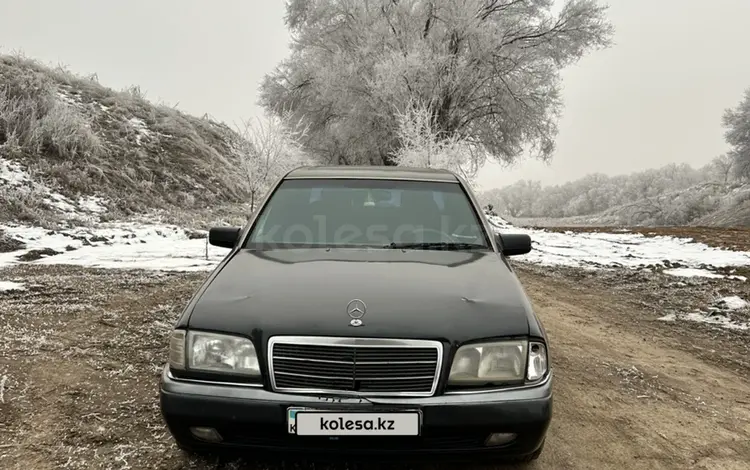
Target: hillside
73 151
673 195
704 205
735 215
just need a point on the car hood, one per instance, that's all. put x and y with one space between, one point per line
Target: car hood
444 295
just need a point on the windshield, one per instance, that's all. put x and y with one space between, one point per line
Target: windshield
373 213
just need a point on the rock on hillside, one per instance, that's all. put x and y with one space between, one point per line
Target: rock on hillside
69 145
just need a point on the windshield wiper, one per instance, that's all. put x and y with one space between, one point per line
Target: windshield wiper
434 246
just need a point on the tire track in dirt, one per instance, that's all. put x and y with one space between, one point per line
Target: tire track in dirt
624 399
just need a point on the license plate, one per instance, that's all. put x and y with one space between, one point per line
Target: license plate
310 422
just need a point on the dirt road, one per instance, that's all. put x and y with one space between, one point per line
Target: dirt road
81 350
631 392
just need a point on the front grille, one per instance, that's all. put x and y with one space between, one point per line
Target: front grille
362 366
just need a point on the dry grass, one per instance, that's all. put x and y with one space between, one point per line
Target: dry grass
82 138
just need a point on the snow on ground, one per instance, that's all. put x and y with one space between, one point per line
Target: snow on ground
682 256
6 286
722 321
498 221
141 127
153 246
115 245
630 250
721 314
734 302
156 246
14 177
112 245
693 272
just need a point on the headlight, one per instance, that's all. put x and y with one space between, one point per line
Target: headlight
211 352
498 362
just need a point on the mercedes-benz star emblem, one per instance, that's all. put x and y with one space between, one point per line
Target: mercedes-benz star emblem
356 310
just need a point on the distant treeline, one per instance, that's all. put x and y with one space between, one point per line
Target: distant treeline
671 195
675 194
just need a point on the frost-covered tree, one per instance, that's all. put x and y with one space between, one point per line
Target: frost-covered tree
737 124
269 149
424 146
488 71
672 194
720 169
517 199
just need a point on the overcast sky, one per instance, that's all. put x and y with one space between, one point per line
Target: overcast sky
655 97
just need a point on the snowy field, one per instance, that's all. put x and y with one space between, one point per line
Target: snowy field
171 248
115 245
683 256
167 247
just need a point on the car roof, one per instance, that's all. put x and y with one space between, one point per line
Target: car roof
372 172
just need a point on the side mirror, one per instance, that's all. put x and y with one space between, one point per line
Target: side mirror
514 243
225 237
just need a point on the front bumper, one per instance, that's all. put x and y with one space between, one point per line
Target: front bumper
254 418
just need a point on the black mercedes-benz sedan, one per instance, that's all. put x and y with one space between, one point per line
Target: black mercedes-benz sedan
362 311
